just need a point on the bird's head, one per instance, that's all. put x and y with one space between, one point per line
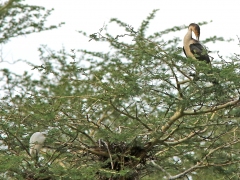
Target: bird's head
196 29
38 138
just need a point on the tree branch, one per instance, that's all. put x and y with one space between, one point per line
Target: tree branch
212 109
130 116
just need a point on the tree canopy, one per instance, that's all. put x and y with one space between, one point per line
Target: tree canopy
134 112
18 19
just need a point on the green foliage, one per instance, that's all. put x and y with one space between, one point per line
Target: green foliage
133 112
18 19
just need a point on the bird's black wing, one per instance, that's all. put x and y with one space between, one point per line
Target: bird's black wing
199 52
184 51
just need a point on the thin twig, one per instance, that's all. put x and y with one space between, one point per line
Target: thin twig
110 156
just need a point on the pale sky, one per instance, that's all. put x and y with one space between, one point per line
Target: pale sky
91 15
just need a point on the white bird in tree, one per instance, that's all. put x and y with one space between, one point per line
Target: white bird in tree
36 142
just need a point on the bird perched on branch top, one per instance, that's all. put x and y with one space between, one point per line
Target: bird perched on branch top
192 47
36 142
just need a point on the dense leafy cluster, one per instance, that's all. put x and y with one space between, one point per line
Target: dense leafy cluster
133 112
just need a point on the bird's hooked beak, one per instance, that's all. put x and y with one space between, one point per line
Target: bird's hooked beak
197 34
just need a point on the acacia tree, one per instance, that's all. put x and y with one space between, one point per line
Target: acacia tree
135 112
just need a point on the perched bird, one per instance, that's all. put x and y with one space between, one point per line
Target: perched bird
36 142
192 47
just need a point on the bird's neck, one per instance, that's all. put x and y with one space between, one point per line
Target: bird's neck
188 37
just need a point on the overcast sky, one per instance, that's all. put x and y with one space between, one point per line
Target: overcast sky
91 15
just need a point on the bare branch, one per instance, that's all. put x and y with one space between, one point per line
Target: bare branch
212 109
130 116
